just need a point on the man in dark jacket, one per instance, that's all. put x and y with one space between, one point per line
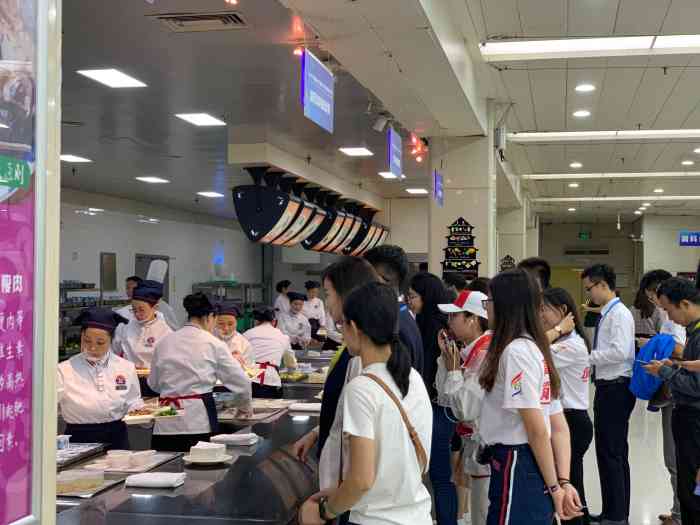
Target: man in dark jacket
391 263
681 300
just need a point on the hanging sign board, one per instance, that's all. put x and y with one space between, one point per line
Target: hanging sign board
394 152
317 91
689 238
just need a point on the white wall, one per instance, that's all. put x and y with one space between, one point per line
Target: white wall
408 220
190 240
298 273
661 246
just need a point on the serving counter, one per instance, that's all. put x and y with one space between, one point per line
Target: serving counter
264 484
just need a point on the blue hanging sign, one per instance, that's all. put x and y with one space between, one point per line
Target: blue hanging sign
317 91
438 191
688 238
394 151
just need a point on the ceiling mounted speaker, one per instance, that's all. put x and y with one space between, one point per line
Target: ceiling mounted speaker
343 233
324 233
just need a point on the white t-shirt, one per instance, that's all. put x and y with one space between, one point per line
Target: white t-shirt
570 356
522 382
398 495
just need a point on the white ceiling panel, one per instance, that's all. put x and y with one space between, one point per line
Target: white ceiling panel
671 157
640 17
542 18
618 90
654 90
648 154
549 91
518 159
517 83
591 18
501 18
682 18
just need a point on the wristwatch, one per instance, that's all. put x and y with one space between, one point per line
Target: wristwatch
324 511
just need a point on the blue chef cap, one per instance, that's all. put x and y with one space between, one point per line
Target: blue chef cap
228 308
295 296
102 318
149 292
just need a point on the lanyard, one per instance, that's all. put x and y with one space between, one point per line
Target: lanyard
600 322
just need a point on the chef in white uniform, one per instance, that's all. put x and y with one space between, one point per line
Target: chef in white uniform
96 388
271 346
282 301
227 315
314 310
185 368
131 284
295 324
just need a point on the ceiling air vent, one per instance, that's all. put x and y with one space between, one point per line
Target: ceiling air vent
196 22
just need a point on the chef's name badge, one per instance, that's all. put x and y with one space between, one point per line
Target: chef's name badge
120 382
150 342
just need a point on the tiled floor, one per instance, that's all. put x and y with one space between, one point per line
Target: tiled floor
651 488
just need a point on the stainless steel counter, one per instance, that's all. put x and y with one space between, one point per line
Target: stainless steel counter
265 484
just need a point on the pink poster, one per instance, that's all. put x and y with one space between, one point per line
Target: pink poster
17 112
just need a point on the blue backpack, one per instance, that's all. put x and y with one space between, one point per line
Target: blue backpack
643 384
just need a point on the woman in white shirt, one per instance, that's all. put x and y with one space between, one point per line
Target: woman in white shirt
186 366
96 388
227 315
521 423
282 301
314 310
383 466
294 323
570 353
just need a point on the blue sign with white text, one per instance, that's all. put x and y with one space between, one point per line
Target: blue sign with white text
317 91
394 152
438 192
688 238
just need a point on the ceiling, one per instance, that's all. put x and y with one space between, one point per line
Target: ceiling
631 93
247 77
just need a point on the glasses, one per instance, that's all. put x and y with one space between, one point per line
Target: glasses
485 303
589 288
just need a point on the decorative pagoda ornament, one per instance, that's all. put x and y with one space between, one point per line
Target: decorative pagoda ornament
460 254
507 263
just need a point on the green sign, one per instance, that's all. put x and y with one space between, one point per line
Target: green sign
14 173
584 235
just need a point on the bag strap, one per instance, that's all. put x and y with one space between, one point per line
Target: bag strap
420 451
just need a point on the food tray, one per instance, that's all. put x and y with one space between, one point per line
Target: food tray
158 459
77 452
108 483
230 415
147 418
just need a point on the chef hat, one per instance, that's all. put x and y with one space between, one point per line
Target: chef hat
264 314
149 292
282 285
103 318
197 305
310 285
228 308
296 296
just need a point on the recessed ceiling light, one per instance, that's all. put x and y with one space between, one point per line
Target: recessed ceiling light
153 180
417 191
548 137
637 212
387 175
581 113
356 152
687 163
576 165
573 185
96 210
658 190
647 204
112 78
585 88
696 150
572 209
200 119
151 220
74 158
210 194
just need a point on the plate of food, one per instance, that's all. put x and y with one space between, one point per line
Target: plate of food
142 415
166 413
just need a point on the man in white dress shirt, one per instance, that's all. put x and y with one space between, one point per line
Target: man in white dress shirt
613 359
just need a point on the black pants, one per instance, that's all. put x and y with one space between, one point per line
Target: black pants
177 442
613 405
266 391
581 430
113 434
686 433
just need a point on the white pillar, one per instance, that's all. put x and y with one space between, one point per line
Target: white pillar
512 238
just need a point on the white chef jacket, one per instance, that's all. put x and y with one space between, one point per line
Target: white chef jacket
282 305
269 346
613 351
126 312
332 331
297 327
238 344
169 314
522 382
570 356
190 361
314 309
136 341
100 393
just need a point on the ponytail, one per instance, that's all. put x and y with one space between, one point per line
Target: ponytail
399 365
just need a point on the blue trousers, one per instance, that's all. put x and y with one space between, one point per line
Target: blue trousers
440 471
517 494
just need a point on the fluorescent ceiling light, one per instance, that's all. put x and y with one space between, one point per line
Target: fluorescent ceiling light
574 185
356 152
153 180
658 190
687 163
647 204
572 209
585 88
96 210
691 43
417 191
74 158
149 220
387 175
210 194
621 175
637 212
581 113
200 119
576 165
624 198
112 78
602 136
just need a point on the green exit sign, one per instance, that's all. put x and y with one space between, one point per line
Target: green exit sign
584 236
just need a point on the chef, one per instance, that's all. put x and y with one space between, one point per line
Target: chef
282 301
185 367
226 330
97 388
271 347
314 309
295 324
131 284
